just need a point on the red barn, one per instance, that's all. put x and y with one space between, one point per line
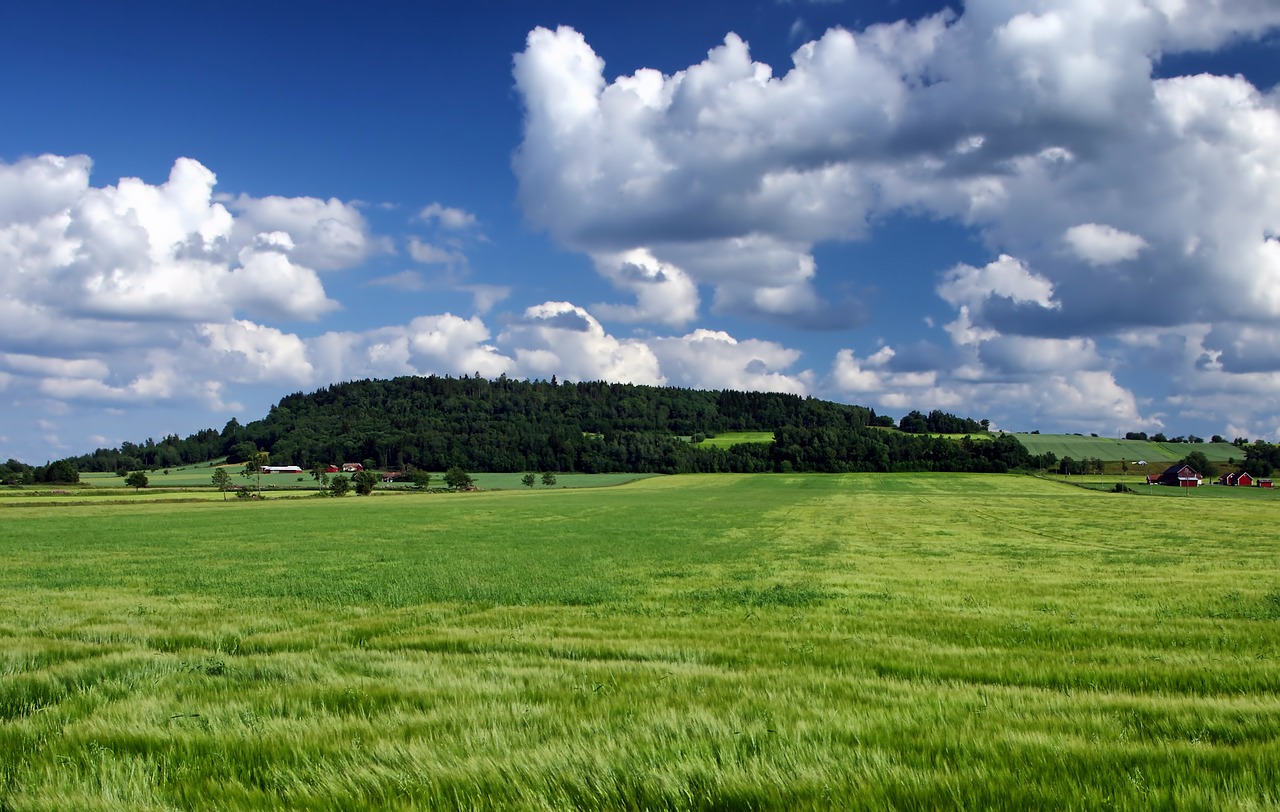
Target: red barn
1240 478
1179 475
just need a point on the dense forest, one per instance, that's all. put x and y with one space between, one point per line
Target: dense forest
434 423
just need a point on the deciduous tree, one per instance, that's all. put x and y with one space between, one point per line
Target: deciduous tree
365 482
253 468
222 481
458 479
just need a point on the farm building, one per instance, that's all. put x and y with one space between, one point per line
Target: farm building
351 467
281 469
332 469
1178 475
1237 478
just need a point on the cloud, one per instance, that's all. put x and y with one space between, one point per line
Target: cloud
1103 245
404 281
429 254
248 352
327 234
1042 128
136 252
448 218
1079 399
663 292
559 338
486 297
709 359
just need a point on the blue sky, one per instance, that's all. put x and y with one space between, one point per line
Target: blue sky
1057 215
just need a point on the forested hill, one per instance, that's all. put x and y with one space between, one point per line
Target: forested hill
433 423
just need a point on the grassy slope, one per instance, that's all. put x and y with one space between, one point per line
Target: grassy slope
684 642
732 438
1111 450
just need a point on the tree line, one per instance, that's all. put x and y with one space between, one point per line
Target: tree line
438 423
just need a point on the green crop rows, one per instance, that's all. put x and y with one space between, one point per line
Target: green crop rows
718 642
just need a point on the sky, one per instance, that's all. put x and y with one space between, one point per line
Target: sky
1059 215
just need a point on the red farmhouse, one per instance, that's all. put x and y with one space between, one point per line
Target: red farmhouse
1179 475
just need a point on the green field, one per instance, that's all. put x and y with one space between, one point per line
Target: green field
695 642
731 438
200 477
1112 450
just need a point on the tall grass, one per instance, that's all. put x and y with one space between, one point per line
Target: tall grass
897 641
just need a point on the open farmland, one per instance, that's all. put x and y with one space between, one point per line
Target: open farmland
1112 450
860 641
200 477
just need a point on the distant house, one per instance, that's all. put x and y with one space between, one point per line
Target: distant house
391 476
1179 475
1238 478
332 469
281 469
351 467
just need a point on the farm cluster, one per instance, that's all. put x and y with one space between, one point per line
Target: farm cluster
1181 475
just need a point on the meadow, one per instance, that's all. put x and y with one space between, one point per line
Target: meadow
196 480
1110 449
728 439
696 642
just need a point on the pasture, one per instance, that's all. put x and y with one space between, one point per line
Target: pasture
695 642
728 439
1109 449
197 479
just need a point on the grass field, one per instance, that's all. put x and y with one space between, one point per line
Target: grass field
200 477
716 642
1111 450
731 438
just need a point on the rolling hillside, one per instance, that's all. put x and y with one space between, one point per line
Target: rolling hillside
1111 450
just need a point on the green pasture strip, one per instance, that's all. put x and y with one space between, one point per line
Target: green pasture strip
187 477
289 483
1109 449
899 641
501 481
732 438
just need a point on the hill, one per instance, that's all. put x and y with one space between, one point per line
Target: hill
1112 450
434 423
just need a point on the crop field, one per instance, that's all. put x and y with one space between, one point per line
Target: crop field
697 642
1109 449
